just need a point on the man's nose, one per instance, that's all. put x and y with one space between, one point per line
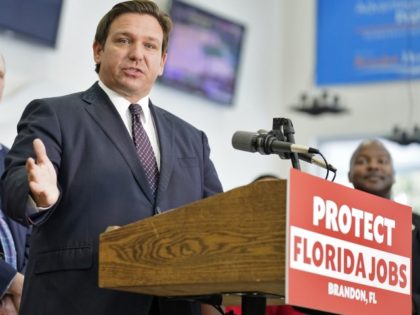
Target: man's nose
136 51
374 164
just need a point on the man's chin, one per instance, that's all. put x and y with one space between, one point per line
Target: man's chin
133 86
375 190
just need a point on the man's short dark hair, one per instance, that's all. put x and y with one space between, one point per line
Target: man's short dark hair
133 6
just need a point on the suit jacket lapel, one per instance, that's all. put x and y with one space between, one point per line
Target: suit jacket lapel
106 116
164 129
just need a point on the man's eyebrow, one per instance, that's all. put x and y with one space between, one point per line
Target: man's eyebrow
363 156
371 156
121 33
128 34
153 39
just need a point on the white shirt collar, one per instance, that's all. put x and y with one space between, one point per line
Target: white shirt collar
122 104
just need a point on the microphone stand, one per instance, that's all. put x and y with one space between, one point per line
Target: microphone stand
255 303
286 125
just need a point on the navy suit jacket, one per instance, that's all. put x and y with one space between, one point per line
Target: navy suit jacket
20 236
102 183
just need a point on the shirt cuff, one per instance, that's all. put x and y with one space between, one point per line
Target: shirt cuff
39 209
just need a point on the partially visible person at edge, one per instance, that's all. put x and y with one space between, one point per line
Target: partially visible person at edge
15 237
80 159
372 171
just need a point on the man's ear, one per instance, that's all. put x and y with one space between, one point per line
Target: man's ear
349 177
97 52
162 63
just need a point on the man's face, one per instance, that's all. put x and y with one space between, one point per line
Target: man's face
2 75
131 59
371 170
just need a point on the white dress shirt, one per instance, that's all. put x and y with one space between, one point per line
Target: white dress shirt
121 104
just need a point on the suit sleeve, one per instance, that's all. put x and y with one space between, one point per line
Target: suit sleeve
211 183
37 121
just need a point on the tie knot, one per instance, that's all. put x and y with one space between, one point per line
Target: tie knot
135 109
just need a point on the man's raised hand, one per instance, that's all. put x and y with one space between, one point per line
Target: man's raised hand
42 177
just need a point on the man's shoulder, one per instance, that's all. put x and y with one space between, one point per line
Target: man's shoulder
88 95
176 120
3 152
64 103
3 149
62 99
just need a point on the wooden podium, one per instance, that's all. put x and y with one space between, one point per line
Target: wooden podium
230 243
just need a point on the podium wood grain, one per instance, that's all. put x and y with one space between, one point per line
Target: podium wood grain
230 242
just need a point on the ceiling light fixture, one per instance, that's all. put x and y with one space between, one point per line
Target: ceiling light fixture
323 104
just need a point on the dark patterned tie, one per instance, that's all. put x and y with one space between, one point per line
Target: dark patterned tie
144 148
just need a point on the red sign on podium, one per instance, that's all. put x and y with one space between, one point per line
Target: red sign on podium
349 252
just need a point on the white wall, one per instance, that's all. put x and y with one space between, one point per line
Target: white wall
374 108
277 65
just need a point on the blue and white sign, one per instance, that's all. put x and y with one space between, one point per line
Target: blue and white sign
367 40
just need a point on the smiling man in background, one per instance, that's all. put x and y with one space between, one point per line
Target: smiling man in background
372 171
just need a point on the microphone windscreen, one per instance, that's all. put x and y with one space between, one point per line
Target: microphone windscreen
244 141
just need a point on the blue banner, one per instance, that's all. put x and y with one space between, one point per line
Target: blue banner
367 40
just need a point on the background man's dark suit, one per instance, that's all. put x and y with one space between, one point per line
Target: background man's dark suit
416 262
20 237
102 183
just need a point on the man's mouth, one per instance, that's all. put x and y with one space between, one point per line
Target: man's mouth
374 178
133 72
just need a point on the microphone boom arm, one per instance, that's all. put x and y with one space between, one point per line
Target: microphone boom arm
286 125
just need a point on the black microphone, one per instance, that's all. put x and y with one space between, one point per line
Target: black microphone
264 143
312 159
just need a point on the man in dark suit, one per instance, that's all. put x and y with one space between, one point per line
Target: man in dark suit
84 172
11 277
372 171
